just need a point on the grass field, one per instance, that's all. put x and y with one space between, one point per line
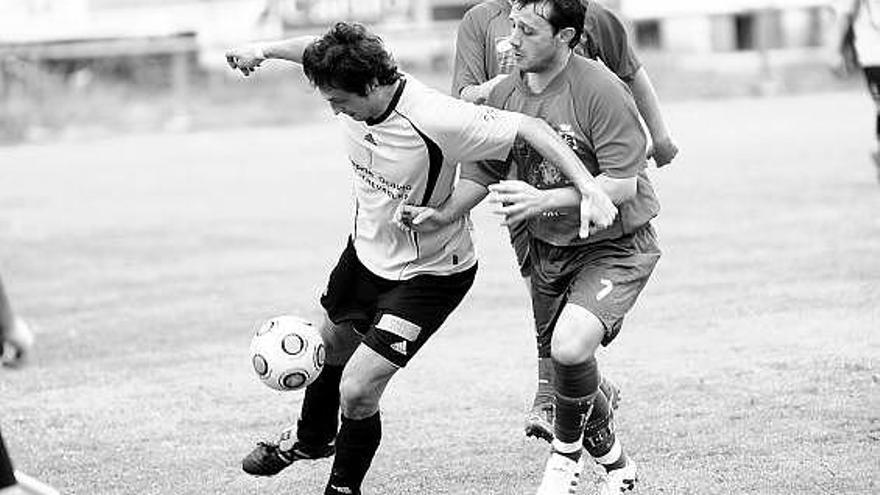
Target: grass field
749 366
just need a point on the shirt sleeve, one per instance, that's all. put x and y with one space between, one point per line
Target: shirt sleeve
613 128
485 172
606 38
470 50
469 132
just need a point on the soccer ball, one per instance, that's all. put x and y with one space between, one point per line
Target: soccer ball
287 353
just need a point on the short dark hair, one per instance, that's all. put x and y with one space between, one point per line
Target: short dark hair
563 14
349 58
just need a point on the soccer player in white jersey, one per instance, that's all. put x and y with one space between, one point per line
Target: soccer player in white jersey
581 288
391 288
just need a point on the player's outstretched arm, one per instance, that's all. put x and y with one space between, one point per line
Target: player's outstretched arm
248 57
597 209
519 200
663 149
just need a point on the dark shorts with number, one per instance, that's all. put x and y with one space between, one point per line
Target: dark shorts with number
395 317
605 278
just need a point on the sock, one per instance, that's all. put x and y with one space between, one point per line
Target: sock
599 437
546 379
576 387
571 450
355 447
614 459
319 417
7 474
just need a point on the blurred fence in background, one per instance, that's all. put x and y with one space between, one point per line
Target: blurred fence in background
90 67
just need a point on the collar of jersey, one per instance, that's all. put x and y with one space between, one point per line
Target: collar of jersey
391 105
556 85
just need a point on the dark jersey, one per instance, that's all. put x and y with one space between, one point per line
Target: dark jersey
595 114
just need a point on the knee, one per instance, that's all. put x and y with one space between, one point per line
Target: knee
340 341
357 399
576 336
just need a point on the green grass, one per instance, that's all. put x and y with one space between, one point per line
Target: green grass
749 366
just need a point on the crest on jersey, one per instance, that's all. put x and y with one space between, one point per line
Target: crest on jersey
370 139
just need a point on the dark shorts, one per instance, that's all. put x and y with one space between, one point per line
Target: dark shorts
395 317
872 77
7 475
519 239
605 278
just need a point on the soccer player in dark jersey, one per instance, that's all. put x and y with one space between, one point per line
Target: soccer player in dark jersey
483 56
391 289
581 288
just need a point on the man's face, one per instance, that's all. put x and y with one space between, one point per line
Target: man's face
535 45
352 104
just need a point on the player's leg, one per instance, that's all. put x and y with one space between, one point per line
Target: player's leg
7 473
539 419
6 316
576 336
872 77
363 382
610 287
406 317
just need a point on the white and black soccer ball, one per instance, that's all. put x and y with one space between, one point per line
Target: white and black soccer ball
287 353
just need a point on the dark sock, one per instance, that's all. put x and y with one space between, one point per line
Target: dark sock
319 417
7 474
599 431
355 447
546 379
576 386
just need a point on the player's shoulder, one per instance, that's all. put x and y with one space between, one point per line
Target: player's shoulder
595 12
425 106
587 76
585 70
486 11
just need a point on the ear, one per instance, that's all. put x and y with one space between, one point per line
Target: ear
565 35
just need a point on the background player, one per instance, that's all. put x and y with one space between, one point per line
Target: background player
391 289
859 35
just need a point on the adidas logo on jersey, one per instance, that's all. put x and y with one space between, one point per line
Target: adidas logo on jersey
370 139
400 347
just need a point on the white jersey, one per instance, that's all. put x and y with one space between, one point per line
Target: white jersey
410 154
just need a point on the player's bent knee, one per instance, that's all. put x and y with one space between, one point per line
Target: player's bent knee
357 398
340 342
576 336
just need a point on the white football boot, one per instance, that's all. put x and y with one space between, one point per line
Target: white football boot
562 475
620 480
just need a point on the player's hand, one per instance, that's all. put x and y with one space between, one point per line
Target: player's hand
663 151
597 210
419 218
517 200
16 344
245 59
480 93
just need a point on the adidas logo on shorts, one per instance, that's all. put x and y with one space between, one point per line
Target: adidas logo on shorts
400 347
